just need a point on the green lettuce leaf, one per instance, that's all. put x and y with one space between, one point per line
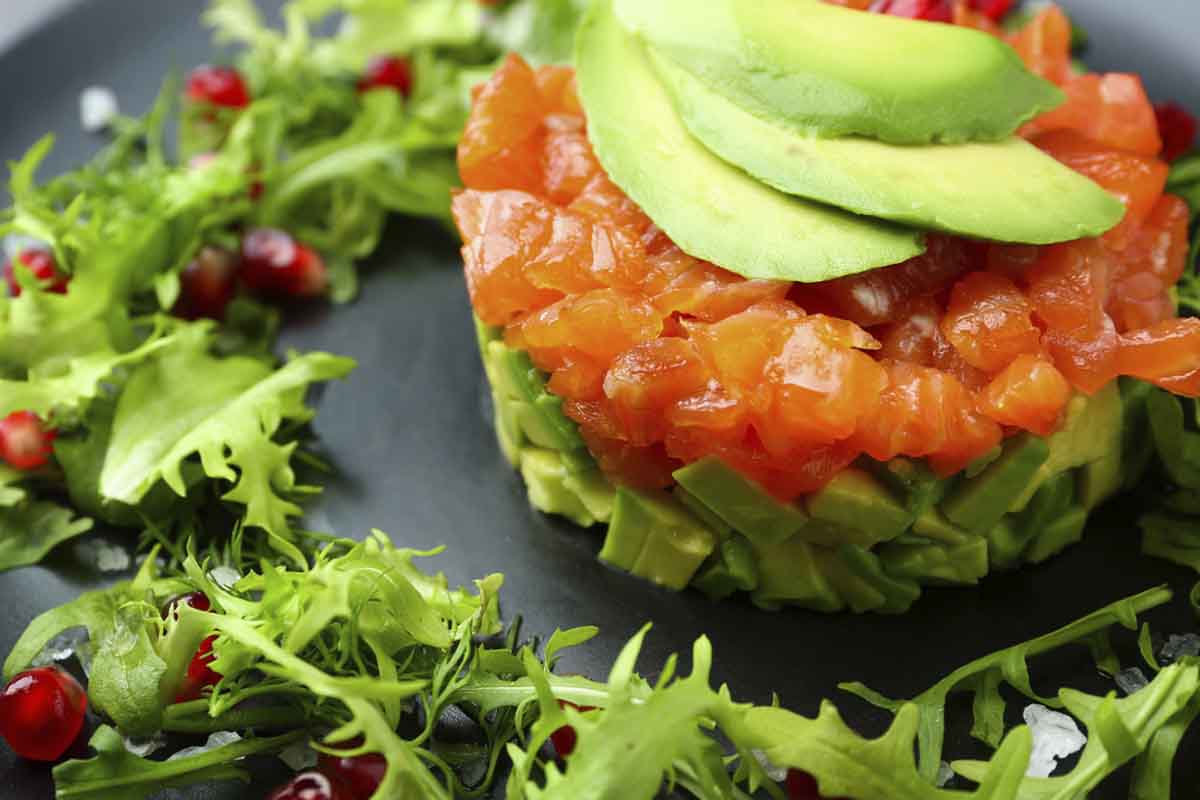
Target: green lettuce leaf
29 530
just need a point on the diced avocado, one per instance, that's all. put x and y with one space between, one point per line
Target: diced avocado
1007 191
654 537
859 594
1058 536
537 412
1136 454
937 563
933 525
1007 542
855 500
732 568
830 71
508 430
585 499
980 503
1091 431
1178 447
913 479
743 504
983 462
790 574
485 333
1053 499
702 512
712 210
1099 480
898 593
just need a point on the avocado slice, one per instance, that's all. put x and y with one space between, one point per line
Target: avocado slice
654 537
712 210
830 71
898 593
1058 536
741 503
933 525
855 500
979 503
1007 191
585 498
921 488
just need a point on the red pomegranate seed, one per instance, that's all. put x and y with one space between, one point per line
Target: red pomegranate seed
197 600
41 713
275 263
218 86
565 738
41 264
802 786
1177 126
207 284
387 72
25 442
199 674
927 10
360 774
312 786
996 10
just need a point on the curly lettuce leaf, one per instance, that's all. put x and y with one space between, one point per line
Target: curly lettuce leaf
29 530
542 31
114 773
186 401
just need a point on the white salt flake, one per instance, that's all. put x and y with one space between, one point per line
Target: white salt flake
945 774
224 576
61 647
298 756
1131 681
1055 736
144 745
1178 647
104 555
777 774
215 740
97 108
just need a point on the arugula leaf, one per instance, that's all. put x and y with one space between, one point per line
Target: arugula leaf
30 530
982 676
116 774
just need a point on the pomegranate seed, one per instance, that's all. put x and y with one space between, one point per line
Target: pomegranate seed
41 713
275 263
199 674
1178 129
802 786
927 10
25 442
197 600
387 72
311 786
41 264
218 86
995 10
207 285
360 774
565 738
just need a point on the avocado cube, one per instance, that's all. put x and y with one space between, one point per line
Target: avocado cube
898 593
860 594
789 573
741 503
484 334
978 504
1100 480
1006 542
933 525
912 479
654 537
552 489
732 568
702 512
937 563
855 500
1059 535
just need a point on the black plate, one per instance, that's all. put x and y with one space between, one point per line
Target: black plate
417 457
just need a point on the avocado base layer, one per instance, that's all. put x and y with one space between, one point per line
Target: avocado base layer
868 542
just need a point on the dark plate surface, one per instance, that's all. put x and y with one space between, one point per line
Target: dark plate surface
417 458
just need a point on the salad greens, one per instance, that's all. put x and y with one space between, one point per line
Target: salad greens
190 431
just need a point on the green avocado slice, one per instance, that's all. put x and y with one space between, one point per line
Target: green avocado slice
741 503
1006 191
711 209
654 537
821 69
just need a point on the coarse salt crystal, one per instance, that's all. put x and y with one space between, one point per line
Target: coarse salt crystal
215 740
1055 736
1131 680
224 576
97 108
